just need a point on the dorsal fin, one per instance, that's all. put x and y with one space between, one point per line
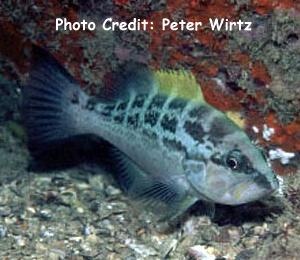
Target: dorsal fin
179 83
129 78
139 79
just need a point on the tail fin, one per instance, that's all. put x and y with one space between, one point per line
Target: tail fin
52 101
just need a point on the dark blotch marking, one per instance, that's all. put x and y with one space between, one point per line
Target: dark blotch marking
174 144
195 130
151 117
157 102
110 107
107 110
221 127
169 123
139 101
105 113
122 106
119 118
177 103
208 147
199 112
133 120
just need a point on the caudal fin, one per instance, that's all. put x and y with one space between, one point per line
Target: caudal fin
52 103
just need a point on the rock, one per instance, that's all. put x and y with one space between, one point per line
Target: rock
56 254
168 247
5 211
234 234
261 230
86 230
199 252
82 186
20 241
80 210
209 233
69 197
142 250
45 214
94 206
112 191
46 233
251 241
76 239
92 239
245 254
10 221
97 182
3 231
190 227
31 210
108 225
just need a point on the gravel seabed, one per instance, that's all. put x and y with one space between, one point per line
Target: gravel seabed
80 213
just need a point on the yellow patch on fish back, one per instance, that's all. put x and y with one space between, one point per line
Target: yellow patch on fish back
179 83
236 118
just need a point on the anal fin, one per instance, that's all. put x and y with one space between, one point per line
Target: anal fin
166 198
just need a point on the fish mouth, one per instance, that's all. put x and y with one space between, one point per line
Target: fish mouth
249 191
254 189
245 192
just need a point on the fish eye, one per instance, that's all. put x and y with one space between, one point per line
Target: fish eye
233 160
232 163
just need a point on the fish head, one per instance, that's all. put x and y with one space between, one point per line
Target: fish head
235 173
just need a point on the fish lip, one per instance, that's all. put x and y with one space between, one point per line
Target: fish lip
262 191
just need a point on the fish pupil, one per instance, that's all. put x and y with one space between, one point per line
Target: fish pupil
232 163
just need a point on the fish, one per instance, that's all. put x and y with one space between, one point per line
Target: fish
169 147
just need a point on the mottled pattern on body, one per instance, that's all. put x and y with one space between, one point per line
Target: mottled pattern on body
172 120
168 146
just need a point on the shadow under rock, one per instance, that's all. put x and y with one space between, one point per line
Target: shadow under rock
257 211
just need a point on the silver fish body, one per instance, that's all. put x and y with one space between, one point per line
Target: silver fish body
171 148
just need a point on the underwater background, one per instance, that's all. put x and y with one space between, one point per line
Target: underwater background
79 213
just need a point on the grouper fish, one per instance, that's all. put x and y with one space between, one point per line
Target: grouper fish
171 148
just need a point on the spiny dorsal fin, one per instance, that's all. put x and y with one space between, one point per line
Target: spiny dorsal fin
179 83
140 79
129 78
